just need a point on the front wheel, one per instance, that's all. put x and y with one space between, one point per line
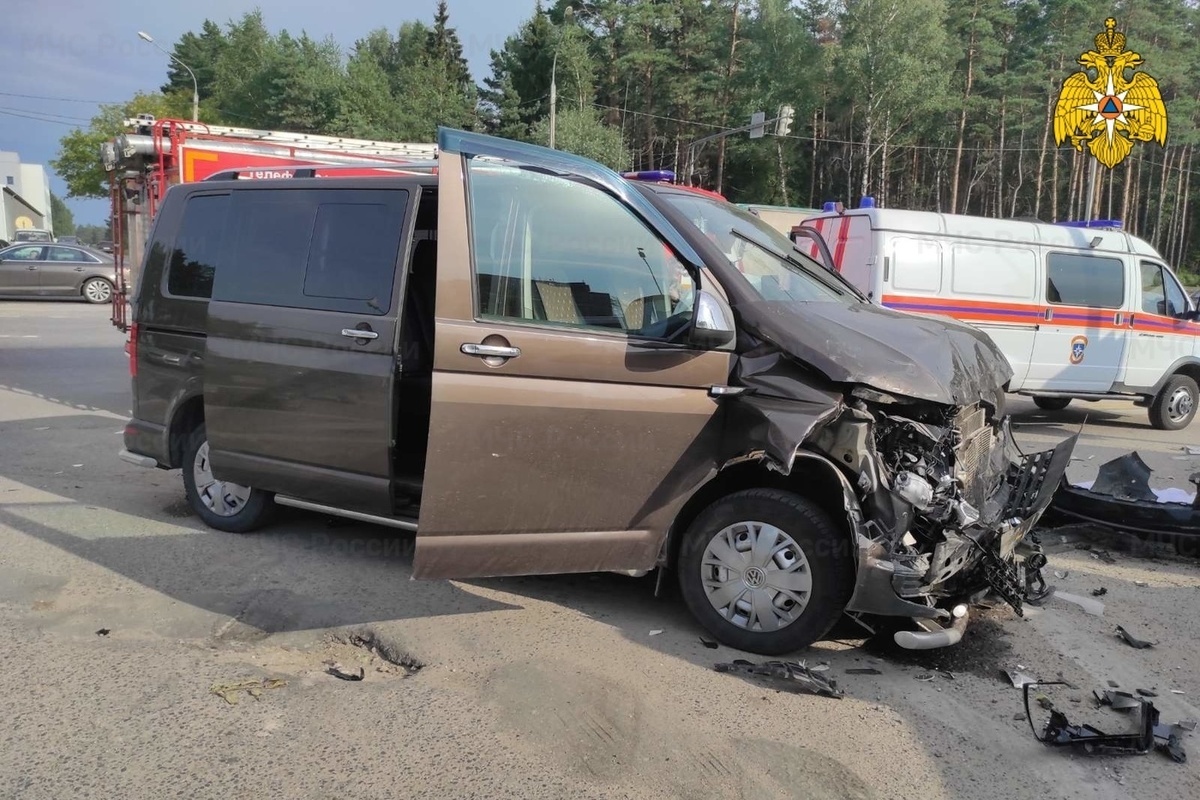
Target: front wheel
1175 406
765 571
1052 403
97 291
222 505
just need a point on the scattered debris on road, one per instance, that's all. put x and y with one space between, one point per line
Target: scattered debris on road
1150 734
1017 677
1132 640
709 643
1147 693
1099 592
1118 701
338 671
863 671
788 676
655 633
230 691
104 632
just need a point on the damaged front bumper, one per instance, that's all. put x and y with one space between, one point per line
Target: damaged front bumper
935 578
1122 499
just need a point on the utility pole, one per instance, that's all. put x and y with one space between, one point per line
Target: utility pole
553 97
1091 188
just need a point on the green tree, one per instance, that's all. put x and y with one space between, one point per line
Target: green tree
78 161
64 220
888 81
200 51
583 132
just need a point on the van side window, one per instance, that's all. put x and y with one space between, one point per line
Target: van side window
558 252
1081 280
193 260
1160 293
321 249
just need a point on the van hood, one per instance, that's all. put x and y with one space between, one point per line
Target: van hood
921 357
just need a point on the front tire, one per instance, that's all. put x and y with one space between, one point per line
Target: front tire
1175 406
1052 403
765 571
97 291
222 505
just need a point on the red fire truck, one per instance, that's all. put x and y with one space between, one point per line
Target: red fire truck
156 154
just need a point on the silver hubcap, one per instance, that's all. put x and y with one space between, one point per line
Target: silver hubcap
220 497
97 291
756 576
1180 404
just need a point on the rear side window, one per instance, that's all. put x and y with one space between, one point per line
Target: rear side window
324 249
193 260
1079 280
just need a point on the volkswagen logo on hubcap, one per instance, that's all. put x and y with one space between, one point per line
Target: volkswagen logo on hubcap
755 578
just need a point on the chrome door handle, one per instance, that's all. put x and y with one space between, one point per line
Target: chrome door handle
176 360
490 350
357 334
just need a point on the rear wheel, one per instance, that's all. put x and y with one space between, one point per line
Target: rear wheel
765 571
1175 405
1052 403
97 290
222 505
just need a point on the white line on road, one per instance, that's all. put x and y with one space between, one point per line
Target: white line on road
15 336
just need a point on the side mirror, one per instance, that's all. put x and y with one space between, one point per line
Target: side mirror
712 326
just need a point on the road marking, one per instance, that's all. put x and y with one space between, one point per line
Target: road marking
15 336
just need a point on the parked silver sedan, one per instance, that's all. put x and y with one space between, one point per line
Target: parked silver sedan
35 269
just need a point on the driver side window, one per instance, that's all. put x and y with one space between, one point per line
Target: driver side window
556 252
1160 293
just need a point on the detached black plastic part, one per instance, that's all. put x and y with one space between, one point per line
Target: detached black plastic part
1121 499
1150 735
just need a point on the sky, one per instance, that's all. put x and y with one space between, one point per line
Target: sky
86 52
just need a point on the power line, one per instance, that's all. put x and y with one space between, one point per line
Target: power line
44 114
58 99
40 119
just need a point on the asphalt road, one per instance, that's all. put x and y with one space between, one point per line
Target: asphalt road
527 687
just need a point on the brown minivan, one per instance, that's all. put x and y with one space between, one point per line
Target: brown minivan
542 367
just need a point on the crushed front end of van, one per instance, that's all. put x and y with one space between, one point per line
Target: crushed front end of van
939 499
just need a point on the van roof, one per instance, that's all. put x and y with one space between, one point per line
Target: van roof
1004 230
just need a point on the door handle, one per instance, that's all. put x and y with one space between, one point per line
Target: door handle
174 360
32 269
489 350
353 333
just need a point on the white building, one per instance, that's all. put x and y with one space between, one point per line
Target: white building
24 196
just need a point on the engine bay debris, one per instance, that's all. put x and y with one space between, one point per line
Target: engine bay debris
787 676
1149 733
1132 640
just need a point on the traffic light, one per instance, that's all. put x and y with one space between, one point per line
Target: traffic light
783 125
758 124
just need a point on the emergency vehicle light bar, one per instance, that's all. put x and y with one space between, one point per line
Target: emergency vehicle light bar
656 175
1094 223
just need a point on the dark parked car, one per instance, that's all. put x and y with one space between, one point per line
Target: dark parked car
56 270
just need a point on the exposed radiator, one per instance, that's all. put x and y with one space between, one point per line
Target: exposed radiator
973 450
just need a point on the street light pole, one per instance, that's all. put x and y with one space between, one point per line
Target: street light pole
145 37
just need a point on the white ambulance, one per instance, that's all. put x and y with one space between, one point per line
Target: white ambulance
1081 310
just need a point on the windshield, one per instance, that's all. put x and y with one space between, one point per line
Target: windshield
765 257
